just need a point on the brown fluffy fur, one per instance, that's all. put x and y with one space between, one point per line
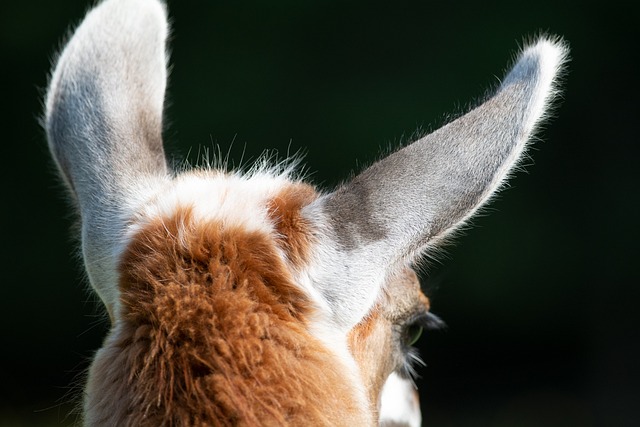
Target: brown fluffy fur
292 227
212 331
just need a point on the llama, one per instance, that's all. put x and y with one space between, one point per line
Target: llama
254 298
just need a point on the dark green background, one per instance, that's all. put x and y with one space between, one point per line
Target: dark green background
540 296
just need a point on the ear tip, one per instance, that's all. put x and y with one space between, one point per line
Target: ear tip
552 51
540 62
121 9
151 4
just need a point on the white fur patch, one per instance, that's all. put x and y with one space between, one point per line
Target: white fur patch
399 402
214 196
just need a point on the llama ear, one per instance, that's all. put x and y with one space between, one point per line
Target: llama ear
400 206
103 122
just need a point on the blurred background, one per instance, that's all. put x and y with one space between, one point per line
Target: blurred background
540 296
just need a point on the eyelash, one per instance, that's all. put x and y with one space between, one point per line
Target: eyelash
410 355
410 360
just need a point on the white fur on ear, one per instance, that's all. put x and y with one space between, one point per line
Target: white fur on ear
547 56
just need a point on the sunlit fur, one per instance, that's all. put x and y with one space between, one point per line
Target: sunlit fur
254 298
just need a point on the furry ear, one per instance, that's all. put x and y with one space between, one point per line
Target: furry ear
103 121
400 206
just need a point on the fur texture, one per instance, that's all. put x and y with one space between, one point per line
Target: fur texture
251 299
213 332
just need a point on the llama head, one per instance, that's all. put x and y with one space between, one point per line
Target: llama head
254 298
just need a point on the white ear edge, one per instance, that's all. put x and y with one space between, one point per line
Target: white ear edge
547 56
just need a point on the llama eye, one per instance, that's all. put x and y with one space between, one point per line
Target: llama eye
414 328
413 334
410 356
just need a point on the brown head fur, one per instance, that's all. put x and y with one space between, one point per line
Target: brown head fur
213 332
